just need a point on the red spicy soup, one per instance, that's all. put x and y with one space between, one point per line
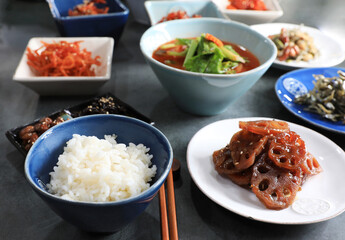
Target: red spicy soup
177 61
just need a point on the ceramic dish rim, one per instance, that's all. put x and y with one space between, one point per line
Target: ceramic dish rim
56 14
213 75
294 64
299 116
277 11
239 212
151 3
132 199
67 79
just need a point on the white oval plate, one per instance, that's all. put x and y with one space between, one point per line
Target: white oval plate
322 196
331 52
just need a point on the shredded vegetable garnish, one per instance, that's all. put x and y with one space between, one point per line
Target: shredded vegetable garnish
62 59
178 15
294 44
246 5
327 97
212 38
88 8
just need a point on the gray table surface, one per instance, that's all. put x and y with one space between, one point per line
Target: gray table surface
24 216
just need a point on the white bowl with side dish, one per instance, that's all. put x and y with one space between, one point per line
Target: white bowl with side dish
250 17
53 86
156 10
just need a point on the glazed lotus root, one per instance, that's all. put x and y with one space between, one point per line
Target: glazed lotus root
244 147
223 162
263 127
240 153
275 188
287 150
270 159
311 166
224 165
242 178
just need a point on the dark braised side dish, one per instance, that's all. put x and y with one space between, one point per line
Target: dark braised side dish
30 133
268 158
23 137
327 98
102 105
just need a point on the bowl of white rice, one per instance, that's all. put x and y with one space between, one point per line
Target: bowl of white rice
99 172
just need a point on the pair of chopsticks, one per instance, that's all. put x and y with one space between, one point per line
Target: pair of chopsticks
168 223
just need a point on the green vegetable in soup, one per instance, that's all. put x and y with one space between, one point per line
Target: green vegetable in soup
231 54
197 63
215 62
191 50
168 45
184 41
173 53
205 54
206 57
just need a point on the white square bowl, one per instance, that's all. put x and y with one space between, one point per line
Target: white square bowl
156 10
54 86
250 17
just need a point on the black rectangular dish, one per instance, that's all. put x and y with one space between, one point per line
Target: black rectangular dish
23 137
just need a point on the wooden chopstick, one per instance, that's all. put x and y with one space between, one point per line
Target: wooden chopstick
163 213
168 227
172 207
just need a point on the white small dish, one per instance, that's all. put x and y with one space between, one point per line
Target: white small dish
250 17
331 51
322 196
156 10
54 86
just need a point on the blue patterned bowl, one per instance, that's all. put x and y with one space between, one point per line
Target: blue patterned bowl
95 216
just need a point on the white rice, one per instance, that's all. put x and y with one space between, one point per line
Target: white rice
101 170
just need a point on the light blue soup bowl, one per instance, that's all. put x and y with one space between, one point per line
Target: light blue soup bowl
103 217
200 93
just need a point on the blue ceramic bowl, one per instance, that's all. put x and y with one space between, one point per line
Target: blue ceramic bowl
200 93
102 25
97 217
299 82
159 9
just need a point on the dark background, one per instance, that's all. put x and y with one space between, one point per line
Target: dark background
24 216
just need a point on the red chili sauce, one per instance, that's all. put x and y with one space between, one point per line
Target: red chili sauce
177 61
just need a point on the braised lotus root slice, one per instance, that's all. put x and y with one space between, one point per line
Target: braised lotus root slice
287 150
311 166
244 147
265 127
242 178
275 187
223 162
